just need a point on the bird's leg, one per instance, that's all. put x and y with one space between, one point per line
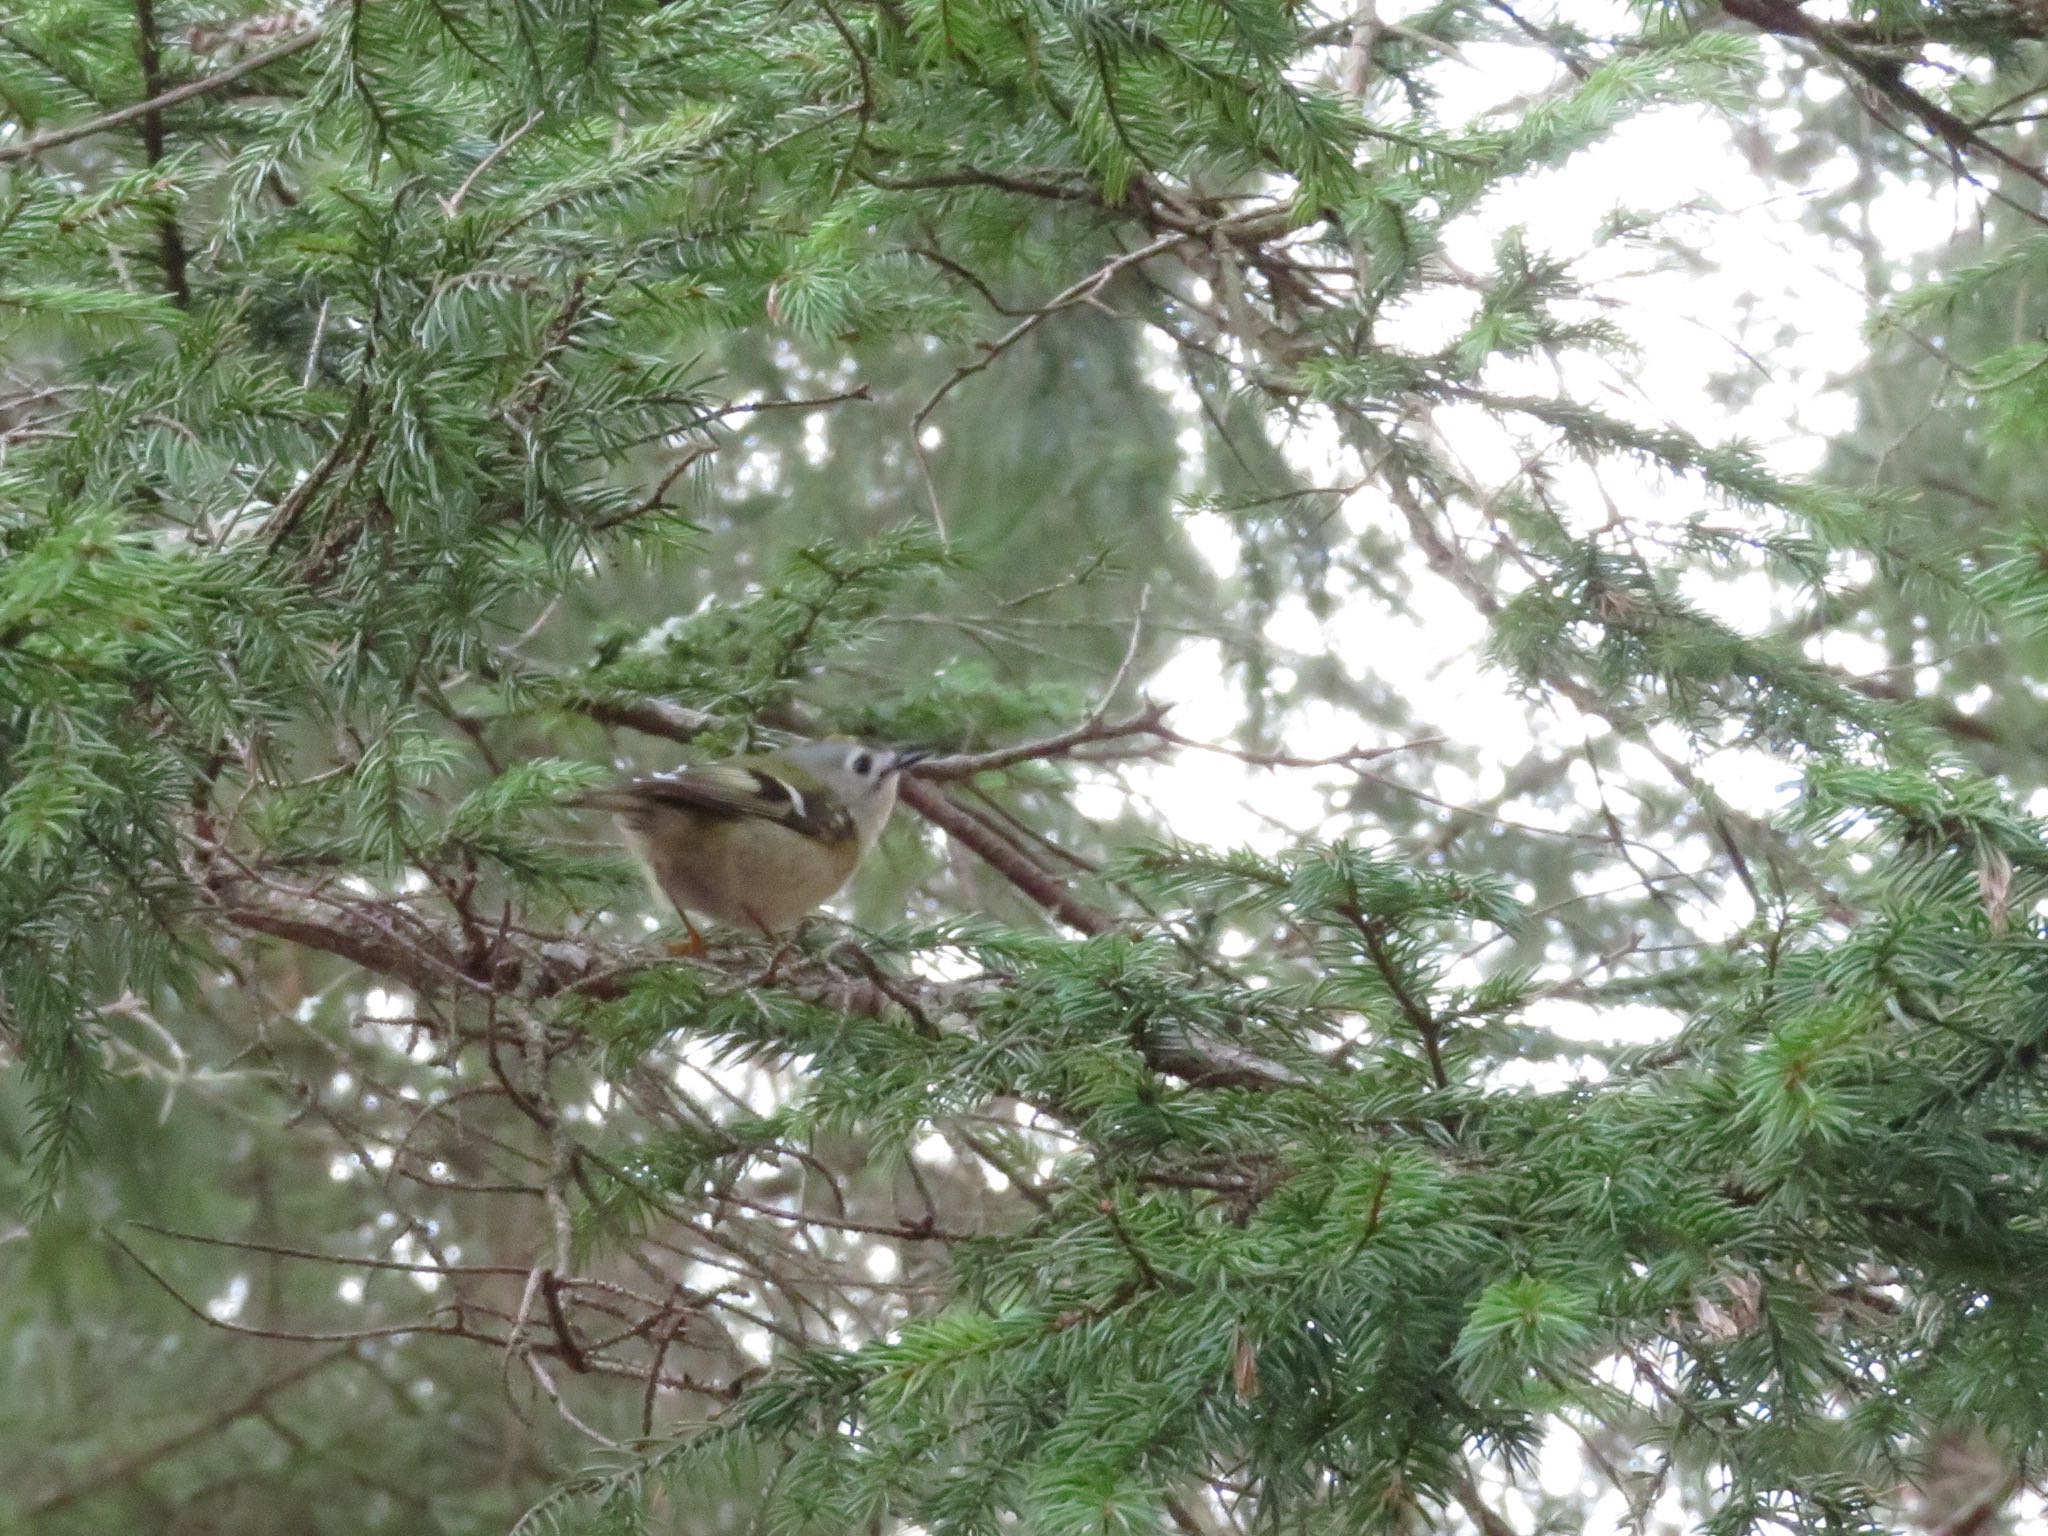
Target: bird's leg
767 977
693 947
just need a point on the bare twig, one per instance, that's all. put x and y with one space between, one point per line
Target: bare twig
124 1468
171 252
451 206
965 765
348 1261
289 1335
1354 758
867 96
306 375
932 803
56 137
922 1232
1077 293
1883 78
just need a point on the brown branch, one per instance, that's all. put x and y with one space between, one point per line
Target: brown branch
565 1337
659 494
170 239
1882 75
287 1335
1075 293
453 1328
1207 1062
348 439
965 274
1354 758
1148 1277
451 206
348 1261
1489 1521
539 968
933 804
124 1468
56 137
678 1317
860 392
652 716
867 98
919 1232
1555 48
1148 721
429 958
300 920
1419 1017
1216 1064
997 181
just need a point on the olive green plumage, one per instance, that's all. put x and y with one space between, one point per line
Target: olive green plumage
759 841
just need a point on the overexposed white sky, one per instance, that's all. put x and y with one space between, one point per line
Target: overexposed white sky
1767 300
1763 298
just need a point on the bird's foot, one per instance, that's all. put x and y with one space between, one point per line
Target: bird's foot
767 977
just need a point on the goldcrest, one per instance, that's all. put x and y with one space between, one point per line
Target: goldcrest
759 841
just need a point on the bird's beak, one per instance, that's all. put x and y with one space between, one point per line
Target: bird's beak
910 759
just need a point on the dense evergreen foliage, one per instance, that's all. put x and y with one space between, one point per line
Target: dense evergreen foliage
1511 1117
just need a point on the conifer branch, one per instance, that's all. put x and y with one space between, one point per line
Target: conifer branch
1413 1009
269 761
56 138
434 959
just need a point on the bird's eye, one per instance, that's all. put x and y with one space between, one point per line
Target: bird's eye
864 764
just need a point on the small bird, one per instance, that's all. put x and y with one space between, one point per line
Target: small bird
759 841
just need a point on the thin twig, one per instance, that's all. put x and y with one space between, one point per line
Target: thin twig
57 137
965 765
349 1261
1351 759
922 1232
451 206
171 252
313 351
1883 78
350 1336
867 97
1045 890
1067 298
127 1467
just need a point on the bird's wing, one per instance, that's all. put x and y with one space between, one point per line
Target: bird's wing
728 791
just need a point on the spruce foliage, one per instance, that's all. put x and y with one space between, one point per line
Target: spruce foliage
411 412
